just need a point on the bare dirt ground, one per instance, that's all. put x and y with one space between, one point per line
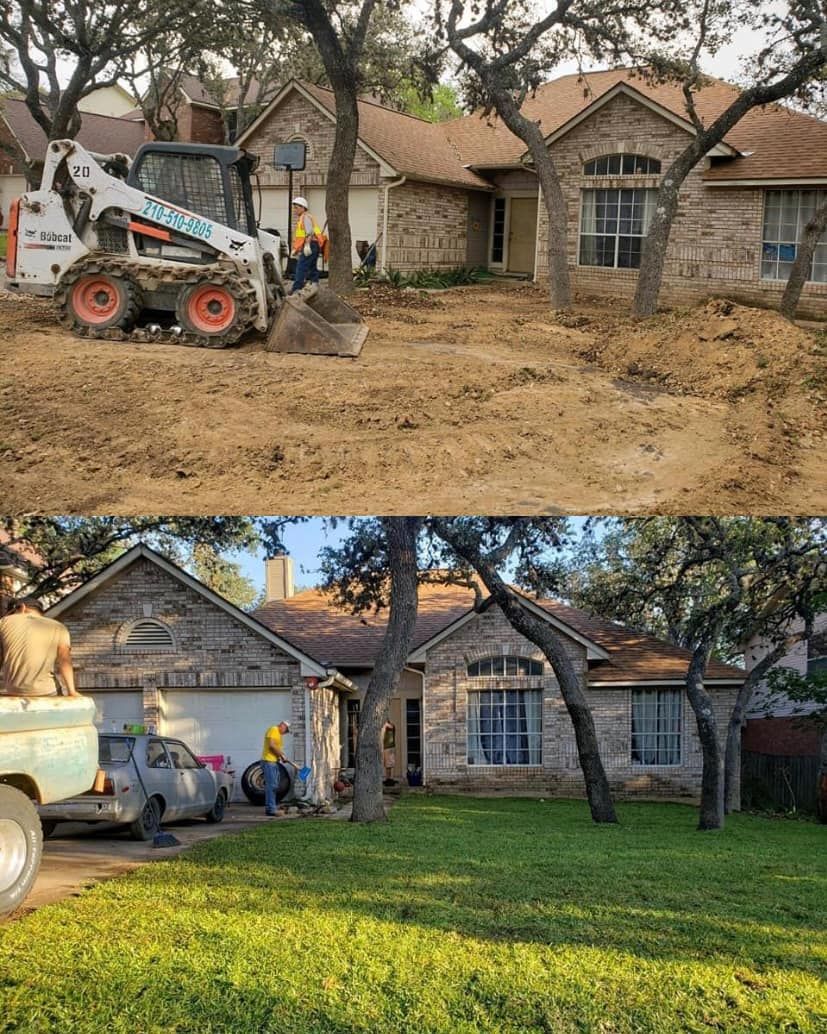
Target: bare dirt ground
474 400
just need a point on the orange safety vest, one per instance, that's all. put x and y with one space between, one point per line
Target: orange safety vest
300 233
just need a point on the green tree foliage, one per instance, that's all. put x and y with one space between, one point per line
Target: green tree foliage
223 576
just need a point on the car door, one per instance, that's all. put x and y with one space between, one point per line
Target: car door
160 777
196 786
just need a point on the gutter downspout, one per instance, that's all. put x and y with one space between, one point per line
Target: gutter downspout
388 188
421 674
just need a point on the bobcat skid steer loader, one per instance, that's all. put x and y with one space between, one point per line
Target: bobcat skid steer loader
164 248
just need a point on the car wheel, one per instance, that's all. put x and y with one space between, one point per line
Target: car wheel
48 826
216 813
21 847
146 825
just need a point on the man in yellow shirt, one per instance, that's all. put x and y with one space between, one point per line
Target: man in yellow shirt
272 755
35 652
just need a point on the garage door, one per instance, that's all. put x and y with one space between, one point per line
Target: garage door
113 709
363 210
229 722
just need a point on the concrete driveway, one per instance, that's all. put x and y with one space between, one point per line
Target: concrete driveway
78 855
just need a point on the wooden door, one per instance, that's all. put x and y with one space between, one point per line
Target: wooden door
522 235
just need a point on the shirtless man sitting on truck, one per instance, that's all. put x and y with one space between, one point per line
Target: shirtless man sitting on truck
35 653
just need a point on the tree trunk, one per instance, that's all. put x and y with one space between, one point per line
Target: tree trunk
401 534
821 798
538 632
801 267
712 780
656 242
338 188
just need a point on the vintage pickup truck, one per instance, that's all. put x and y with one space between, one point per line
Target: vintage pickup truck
48 751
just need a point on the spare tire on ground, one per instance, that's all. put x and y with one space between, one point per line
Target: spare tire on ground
252 783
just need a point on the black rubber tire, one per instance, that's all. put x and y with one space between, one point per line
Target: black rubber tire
126 315
21 845
218 338
216 813
252 783
48 826
148 822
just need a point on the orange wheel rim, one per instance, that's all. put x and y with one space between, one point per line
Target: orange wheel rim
211 309
95 299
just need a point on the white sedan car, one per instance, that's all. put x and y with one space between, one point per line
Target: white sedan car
149 779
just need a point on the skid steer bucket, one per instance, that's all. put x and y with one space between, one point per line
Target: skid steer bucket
317 323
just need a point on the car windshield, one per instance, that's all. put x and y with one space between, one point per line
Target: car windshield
114 750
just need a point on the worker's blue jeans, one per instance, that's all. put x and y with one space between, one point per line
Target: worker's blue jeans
271 786
306 268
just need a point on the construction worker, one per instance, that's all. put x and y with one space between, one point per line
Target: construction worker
35 652
307 239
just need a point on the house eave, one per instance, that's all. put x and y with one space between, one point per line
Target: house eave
786 181
626 683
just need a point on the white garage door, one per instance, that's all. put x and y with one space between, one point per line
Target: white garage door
228 721
11 187
113 709
363 210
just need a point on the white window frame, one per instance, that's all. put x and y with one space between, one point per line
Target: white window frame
617 235
501 689
657 764
799 226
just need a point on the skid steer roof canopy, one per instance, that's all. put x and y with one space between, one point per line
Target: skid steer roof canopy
206 179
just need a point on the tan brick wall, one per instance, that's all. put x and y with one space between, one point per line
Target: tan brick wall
445 722
715 245
427 227
296 117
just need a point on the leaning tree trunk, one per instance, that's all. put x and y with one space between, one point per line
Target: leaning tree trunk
338 188
653 256
801 267
712 779
401 534
539 633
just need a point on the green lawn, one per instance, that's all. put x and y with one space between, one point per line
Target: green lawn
3 239
459 915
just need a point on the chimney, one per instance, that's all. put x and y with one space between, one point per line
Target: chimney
278 573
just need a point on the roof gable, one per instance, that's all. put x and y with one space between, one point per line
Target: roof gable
309 666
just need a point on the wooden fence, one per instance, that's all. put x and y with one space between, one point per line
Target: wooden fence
768 780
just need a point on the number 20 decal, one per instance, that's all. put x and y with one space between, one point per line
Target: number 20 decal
81 171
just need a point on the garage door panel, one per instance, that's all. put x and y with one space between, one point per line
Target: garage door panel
228 722
363 211
114 710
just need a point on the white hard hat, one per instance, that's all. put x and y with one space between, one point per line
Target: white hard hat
301 201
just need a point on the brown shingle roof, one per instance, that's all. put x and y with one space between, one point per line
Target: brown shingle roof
334 636
101 133
775 141
416 148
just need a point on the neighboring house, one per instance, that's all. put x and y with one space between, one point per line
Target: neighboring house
464 192
22 140
479 707
153 645
114 101
773 724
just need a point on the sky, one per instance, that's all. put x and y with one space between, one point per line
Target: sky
303 543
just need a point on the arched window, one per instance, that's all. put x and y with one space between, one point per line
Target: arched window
298 138
621 165
502 665
148 634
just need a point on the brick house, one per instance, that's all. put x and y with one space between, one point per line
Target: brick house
464 192
153 645
479 707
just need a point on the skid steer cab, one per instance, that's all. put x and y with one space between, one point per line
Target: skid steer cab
165 246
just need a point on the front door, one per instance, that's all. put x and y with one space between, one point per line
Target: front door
522 235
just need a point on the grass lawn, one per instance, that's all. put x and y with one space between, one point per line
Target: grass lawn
3 239
459 915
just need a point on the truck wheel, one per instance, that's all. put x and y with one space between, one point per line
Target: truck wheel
21 847
252 783
216 813
148 822
100 301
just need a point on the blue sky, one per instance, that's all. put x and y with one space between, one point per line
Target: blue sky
303 542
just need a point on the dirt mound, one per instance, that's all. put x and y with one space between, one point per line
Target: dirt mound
718 350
